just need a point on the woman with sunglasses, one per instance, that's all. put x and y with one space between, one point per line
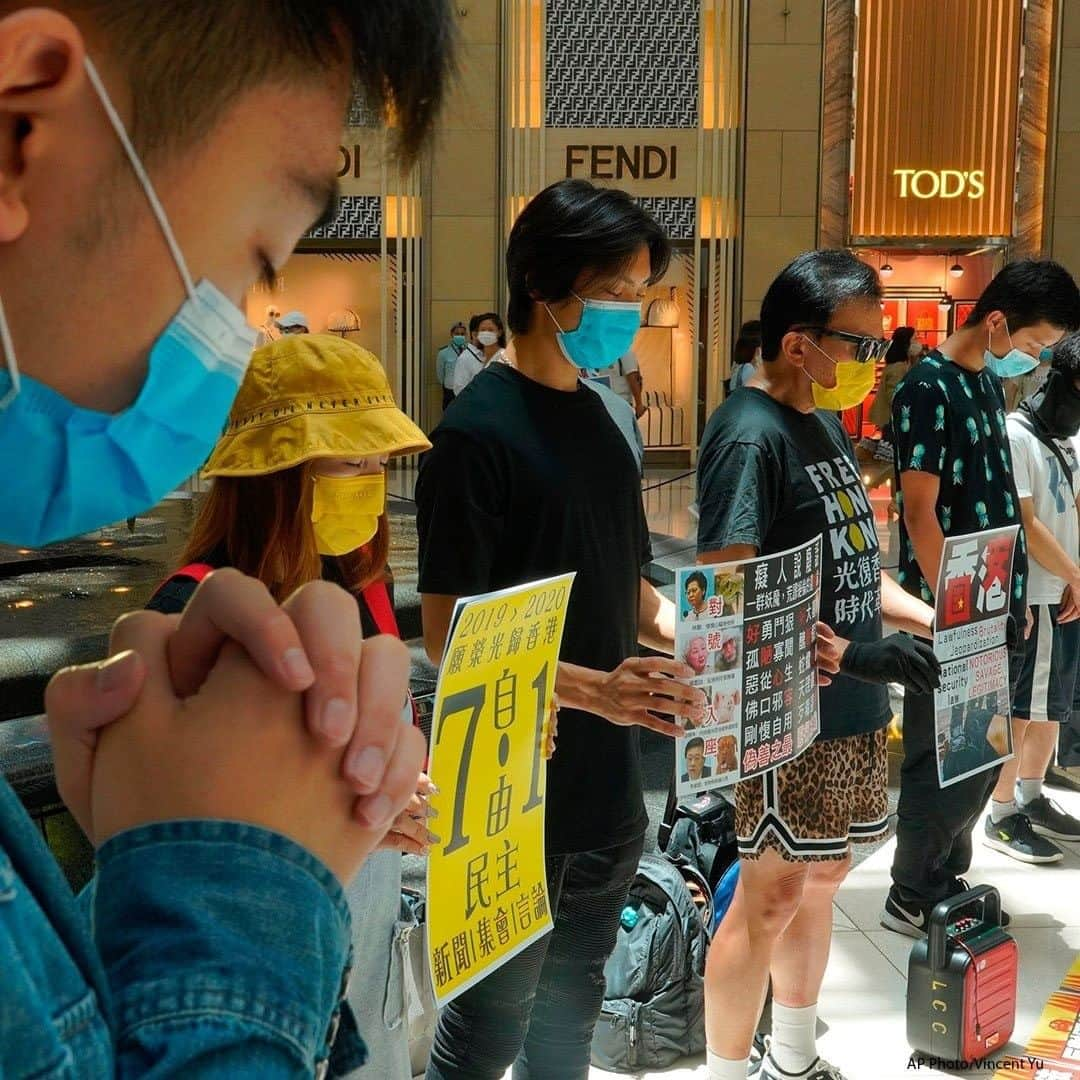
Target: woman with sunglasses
300 494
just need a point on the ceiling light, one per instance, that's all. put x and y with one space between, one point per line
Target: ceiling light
886 269
956 270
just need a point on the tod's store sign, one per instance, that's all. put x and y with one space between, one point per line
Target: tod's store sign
934 153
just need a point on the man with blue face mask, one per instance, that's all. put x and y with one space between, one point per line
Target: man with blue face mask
446 361
533 469
954 475
225 825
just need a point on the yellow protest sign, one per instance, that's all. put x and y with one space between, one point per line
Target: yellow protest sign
487 886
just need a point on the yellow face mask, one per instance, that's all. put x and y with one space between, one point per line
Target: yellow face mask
854 381
346 511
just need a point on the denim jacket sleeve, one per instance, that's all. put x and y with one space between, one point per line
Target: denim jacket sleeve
225 948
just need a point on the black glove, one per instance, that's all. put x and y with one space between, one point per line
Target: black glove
1013 638
897 658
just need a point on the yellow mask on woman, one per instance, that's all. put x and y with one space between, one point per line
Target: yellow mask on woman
854 381
346 511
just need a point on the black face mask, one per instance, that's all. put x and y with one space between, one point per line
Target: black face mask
1059 409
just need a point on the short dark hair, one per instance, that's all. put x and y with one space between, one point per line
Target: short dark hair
1066 358
693 744
187 60
809 290
496 318
697 576
570 227
1028 292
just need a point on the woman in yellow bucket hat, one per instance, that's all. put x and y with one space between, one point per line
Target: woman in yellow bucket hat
299 494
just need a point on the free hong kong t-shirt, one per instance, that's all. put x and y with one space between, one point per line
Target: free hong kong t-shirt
524 482
950 422
773 477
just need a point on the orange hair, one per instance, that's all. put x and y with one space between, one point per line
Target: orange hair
263 523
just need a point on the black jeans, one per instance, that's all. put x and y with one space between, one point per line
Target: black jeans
934 825
538 1011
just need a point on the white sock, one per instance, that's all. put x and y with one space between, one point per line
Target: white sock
794 1037
999 811
726 1069
1028 791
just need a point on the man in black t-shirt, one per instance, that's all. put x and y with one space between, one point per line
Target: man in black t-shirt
774 471
954 476
533 473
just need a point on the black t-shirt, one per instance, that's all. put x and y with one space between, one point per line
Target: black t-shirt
950 422
773 477
524 482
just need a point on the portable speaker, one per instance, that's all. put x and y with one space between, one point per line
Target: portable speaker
961 996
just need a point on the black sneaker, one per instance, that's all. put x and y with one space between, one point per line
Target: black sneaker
904 917
1064 776
911 918
1048 819
1014 836
819 1070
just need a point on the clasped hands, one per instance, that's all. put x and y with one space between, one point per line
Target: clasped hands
280 716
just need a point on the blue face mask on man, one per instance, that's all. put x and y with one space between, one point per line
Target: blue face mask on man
604 334
1015 362
72 469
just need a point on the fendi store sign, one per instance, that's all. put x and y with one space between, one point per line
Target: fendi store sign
643 162
934 153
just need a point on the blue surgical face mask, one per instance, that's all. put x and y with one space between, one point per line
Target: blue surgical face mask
605 333
73 469
1015 362
458 341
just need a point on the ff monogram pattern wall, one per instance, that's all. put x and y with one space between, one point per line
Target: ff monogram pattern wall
361 115
622 63
359 217
677 213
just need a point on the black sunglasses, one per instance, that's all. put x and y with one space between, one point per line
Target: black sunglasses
868 350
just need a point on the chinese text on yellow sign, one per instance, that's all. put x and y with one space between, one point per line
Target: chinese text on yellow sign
487 888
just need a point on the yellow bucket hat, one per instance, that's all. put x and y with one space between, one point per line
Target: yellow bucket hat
310 396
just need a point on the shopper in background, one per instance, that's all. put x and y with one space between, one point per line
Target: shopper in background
486 345
1023 822
214 938
897 364
295 322
954 475
446 361
746 355
532 473
303 498
776 469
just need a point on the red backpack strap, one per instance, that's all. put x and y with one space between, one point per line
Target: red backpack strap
377 598
197 571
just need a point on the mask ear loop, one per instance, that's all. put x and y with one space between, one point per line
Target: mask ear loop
141 174
9 357
835 363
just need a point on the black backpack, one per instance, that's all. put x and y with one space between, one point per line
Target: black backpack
654 1005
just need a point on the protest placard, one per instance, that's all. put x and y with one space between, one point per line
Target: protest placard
747 630
971 708
487 886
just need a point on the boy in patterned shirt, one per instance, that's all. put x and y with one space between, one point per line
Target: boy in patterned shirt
954 476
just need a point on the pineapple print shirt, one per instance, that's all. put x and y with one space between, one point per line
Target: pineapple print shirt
951 422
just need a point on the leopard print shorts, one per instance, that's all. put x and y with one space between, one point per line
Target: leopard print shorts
812 808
